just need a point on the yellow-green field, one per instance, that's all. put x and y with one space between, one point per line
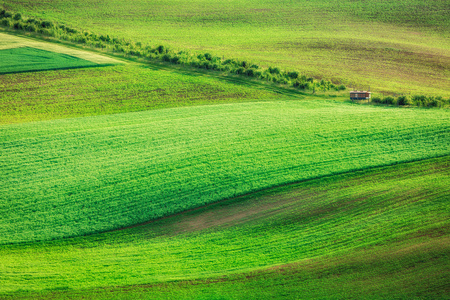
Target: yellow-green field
393 47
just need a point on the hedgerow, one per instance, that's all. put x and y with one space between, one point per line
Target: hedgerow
162 53
415 100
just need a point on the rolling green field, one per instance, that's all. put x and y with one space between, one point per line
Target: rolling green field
394 46
369 234
145 180
84 175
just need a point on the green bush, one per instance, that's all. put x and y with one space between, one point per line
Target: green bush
30 27
6 14
250 72
227 62
239 70
419 100
376 100
432 102
274 70
301 85
207 56
293 75
175 60
18 25
118 48
160 49
205 65
44 31
17 17
283 80
6 22
46 24
166 57
71 30
402 100
388 100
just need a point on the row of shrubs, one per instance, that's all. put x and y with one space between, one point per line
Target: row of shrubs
136 49
417 100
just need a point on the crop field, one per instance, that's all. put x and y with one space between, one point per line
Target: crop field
337 235
127 177
394 46
106 172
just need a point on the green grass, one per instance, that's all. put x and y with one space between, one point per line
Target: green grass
360 207
79 176
115 89
29 59
367 234
395 46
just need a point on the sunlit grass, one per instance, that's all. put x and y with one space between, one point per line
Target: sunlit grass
78 176
374 232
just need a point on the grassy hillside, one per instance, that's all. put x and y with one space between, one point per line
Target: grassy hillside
397 46
150 180
380 233
123 88
78 176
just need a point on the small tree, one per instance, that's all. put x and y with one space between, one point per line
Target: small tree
208 56
160 49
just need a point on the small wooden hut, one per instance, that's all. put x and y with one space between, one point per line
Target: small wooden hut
359 95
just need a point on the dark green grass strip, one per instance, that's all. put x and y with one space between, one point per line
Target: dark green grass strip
26 59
